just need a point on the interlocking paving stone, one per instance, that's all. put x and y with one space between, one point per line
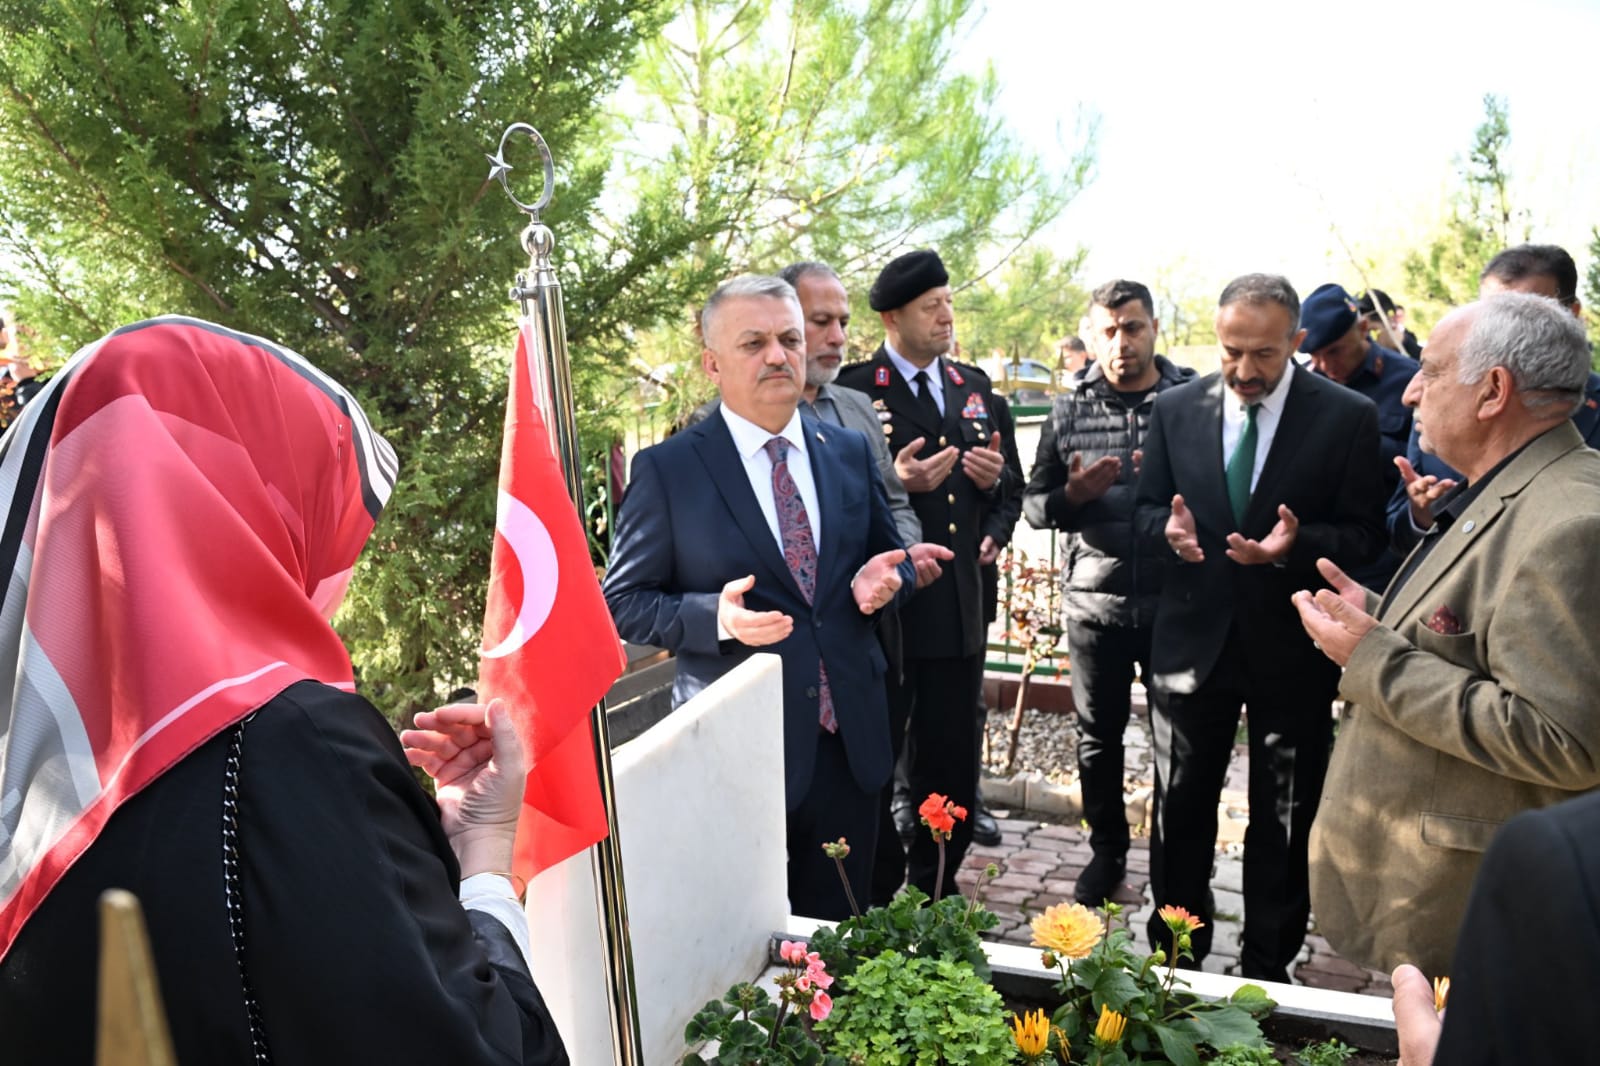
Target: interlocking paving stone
1041 855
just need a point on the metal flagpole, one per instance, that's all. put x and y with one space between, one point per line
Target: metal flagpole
539 292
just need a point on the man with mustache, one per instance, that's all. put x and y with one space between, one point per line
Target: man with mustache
1249 476
941 429
762 529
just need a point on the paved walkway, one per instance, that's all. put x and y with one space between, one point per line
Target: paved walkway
1041 855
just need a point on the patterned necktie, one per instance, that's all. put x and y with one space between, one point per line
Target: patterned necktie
925 395
1242 465
800 552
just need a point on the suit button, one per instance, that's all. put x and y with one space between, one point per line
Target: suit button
951 497
811 692
941 442
952 527
816 623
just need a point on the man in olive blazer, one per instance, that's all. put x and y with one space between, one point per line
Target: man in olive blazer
1471 683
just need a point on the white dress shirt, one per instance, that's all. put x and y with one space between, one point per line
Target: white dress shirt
1267 417
750 441
909 371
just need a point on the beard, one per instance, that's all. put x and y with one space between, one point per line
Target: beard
817 374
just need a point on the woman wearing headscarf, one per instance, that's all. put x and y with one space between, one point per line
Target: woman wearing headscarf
178 718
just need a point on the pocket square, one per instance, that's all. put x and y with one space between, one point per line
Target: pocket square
1444 621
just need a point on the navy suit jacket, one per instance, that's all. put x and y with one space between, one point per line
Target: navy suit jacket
690 524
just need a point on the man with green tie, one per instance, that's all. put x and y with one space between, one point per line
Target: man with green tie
1250 474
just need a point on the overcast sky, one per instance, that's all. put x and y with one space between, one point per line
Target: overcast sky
1236 136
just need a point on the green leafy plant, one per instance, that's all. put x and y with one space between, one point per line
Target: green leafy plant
902 1010
948 930
751 1030
1122 1007
1328 1053
1242 1055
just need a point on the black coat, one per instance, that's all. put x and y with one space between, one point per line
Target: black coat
1530 942
944 620
357 948
1323 465
1111 577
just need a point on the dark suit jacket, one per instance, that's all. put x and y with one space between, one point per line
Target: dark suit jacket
690 524
1323 465
1529 949
946 620
356 947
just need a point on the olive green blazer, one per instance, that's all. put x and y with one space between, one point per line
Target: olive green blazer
1446 735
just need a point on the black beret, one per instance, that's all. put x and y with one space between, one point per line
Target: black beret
1327 315
905 278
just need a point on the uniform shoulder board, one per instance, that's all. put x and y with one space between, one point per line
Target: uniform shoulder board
967 368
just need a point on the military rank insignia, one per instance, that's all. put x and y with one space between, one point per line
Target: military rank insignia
880 377
974 407
955 375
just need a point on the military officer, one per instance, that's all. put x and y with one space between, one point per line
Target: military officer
938 416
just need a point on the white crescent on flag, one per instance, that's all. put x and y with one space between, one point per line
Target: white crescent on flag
530 542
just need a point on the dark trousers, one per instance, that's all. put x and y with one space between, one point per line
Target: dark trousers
889 863
1103 659
1290 729
836 806
941 756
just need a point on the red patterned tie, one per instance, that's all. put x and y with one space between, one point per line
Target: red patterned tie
800 552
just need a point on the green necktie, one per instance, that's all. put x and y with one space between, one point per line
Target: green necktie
1241 465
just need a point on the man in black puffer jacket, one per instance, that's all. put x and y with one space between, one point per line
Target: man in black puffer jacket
1083 483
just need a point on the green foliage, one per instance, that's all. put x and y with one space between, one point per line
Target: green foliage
948 930
1328 1053
837 130
1591 291
1024 308
1245 1055
900 1010
1165 1023
314 172
1480 224
742 1023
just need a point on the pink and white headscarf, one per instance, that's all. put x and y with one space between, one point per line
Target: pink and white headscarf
184 505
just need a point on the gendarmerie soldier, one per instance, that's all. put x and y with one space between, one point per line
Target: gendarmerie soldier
937 415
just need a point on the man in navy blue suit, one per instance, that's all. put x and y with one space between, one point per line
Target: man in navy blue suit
1544 270
761 529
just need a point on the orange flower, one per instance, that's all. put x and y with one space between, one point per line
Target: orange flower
1179 920
940 815
1070 930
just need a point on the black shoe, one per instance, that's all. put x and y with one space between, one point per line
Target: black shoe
1100 880
985 830
905 821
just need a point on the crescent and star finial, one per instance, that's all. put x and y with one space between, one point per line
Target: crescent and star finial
499 168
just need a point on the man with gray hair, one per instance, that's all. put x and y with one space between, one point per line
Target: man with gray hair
763 529
1249 476
1470 683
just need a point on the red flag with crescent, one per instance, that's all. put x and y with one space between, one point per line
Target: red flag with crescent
550 648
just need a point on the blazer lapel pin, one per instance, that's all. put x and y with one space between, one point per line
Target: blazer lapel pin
1444 621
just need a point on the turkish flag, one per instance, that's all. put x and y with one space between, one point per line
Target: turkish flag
550 648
